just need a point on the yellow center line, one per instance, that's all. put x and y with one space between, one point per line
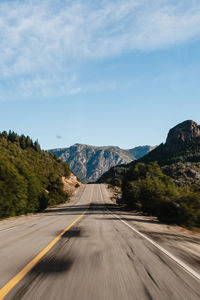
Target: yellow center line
10 285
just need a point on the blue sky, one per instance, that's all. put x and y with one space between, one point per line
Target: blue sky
99 72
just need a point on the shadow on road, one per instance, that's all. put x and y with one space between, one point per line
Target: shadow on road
52 265
92 208
99 208
72 233
171 237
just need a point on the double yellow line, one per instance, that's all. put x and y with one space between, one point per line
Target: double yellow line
11 284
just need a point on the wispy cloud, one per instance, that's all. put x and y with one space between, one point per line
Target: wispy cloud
43 43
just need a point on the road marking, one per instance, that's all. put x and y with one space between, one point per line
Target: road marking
12 283
174 258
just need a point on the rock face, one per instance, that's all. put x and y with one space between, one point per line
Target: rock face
182 133
90 162
178 158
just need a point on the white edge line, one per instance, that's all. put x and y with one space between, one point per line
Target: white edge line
178 261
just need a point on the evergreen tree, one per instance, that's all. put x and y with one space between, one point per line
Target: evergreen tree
4 134
13 137
22 141
29 142
36 146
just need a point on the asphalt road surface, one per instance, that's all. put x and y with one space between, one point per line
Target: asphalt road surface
82 251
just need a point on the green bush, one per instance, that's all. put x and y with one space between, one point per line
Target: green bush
114 181
117 182
190 201
170 212
145 187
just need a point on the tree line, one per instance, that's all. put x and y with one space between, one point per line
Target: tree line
23 141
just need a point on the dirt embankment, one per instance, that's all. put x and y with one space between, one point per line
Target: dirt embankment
71 184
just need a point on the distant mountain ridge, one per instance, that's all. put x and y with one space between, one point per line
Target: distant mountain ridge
90 162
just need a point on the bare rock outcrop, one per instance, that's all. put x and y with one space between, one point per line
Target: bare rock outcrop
183 132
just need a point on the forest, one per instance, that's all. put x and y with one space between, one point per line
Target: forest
30 178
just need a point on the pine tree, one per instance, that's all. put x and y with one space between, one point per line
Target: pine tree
13 137
37 146
4 134
22 141
29 142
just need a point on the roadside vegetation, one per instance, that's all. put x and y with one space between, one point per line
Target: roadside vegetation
30 178
146 188
165 182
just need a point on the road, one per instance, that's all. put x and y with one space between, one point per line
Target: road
97 257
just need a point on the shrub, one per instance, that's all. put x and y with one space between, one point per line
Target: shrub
117 182
145 187
114 182
170 212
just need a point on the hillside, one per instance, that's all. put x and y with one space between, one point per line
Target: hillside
90 162
166 182
30 179
178 157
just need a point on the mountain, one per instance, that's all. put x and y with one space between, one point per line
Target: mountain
183 133
165 183
179 156
90 162
30 178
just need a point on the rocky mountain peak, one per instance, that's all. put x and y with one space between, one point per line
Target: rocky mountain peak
90 162
183 132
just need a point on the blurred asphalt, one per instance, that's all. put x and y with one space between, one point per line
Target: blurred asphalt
99 257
